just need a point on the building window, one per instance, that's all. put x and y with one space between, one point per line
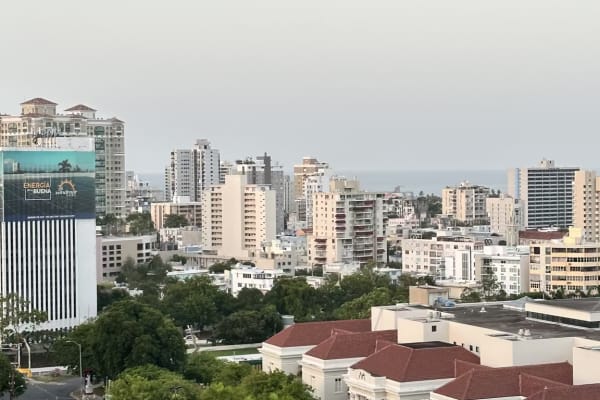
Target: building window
338 385
433 328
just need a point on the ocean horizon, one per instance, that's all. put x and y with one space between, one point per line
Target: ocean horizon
426 181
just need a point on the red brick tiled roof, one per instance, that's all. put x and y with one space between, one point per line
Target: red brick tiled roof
38 100
80 107
350 345
313 333
488 383
580 392
461 367
404 364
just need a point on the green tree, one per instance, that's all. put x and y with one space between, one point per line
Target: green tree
249 299
294 296
202 367
8 373
260 385
130 334
179 258
151 382
175 221
191 302
109 295
140 223
17 318
249 326
361 306
362 282
470 296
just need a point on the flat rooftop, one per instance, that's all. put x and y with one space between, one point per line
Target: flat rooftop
511 321
427 345
588 304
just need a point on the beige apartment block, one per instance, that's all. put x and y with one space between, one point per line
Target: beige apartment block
570 265
347 225
238 217
507 217
191 210
39 125
465 202
113 251
586 204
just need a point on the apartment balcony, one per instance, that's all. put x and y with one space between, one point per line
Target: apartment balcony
320 246
320 240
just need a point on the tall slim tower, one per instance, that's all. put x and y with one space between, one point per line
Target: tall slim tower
39 122
191 171
586 205
48 228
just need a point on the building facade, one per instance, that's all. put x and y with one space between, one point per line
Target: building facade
348 225
465 202
310 167
238 217
48 229
509 266
547 193
191 210
191 171
39 123
570 265
586 204
113 251
507 217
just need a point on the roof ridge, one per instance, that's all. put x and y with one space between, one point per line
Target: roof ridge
468 385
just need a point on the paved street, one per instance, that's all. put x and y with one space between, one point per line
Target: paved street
50 391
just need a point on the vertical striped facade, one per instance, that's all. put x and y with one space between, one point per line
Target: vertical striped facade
42 262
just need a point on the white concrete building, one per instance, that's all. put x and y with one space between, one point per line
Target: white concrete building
39 123
348 225
510 266
310 167
242 276
547 193
48 229
443 257
238 217
191 171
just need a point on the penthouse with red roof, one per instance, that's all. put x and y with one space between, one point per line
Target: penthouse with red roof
324 365
408 369
510 382
284 350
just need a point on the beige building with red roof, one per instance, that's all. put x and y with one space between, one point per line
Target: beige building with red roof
407 351
324 366
409 370
284 350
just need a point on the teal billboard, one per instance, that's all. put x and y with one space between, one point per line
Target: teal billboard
48 184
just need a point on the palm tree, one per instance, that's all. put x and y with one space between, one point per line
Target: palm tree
64 166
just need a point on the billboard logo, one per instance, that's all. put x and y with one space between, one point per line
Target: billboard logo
37 190
66 188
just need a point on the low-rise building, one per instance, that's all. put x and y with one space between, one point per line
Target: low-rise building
181 206
113 251
242 276
509 266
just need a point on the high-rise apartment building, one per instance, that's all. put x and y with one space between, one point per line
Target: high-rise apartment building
465 202
262 171
310 167
348 225
586 205
309 177
546 192
191 171
48 228
507 217
237 217
40 122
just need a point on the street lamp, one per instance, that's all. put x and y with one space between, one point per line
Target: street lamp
80 364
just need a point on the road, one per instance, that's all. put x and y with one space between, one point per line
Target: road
50 391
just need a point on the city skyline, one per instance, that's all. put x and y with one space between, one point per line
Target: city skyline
391 86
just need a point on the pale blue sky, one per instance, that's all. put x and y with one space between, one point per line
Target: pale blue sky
362 84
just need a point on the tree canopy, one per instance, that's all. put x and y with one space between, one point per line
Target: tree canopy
129 334
175 221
